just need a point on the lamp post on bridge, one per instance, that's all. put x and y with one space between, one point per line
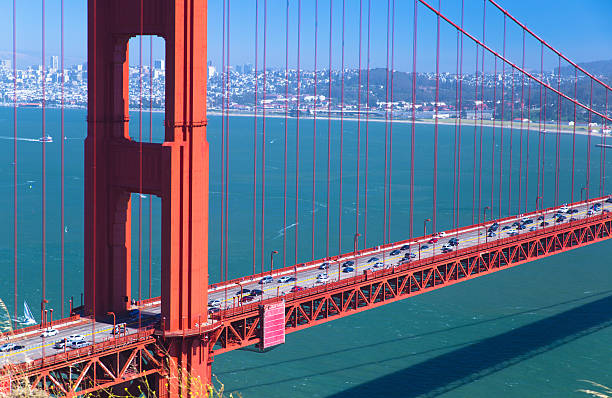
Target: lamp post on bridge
424 234
42 312
114 323
272 260
355 239
241 292
484 220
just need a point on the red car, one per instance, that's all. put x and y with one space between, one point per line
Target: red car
246 299
296 289
433 240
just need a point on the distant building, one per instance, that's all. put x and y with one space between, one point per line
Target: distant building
159 64
55 62
247 68
5 64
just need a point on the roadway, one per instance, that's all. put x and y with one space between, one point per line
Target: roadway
229 295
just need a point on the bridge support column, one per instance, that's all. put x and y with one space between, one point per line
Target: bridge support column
176 171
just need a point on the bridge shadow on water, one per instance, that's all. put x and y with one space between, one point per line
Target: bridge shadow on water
470 361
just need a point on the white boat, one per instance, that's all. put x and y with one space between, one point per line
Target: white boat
28 318
46 138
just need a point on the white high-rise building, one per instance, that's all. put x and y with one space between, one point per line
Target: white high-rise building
55 62
159 64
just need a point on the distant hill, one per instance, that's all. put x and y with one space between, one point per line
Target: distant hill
597 68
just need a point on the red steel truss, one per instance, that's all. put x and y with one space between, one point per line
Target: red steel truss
241 326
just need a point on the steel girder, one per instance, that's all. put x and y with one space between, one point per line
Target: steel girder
241 326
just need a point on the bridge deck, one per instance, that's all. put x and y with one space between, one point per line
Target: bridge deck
232 307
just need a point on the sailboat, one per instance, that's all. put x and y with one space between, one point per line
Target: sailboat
28 318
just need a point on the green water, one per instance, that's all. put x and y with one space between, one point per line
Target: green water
533 330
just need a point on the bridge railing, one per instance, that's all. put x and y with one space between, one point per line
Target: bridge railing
29 329
416 264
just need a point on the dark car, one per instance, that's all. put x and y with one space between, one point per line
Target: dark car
423 247
348 263
324 266
372 259
516 224
528 221
405 247
522 226
348 269
544 224
243 292
256 292
453 242
572 211
506 227
211 310
246 299
540 218
395 252
609 200
296 289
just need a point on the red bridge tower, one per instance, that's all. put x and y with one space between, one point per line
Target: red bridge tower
176 171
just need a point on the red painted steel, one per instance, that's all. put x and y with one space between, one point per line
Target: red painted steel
176 171
273 324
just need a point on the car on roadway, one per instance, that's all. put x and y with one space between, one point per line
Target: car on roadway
405 247
214 303
506 227
433 240
412 255
442 234
491 234
285 279
348 269
76 337
348 263
49 333
423 247
372 259
242 292
213 310
377 266
609 200
540 218
266 279
394 252
564 209
544 224
590 212
572 211
10 347
78 344
256 292
324 266
560 219
246 299
527 221
59 344
521 227
453 241
322 278
534 228
511 231
296 289
119 328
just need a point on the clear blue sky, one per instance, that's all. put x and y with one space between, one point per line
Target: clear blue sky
581 29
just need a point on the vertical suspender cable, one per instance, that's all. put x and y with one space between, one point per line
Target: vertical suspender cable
412 140
457 118
538 190
475 139
358 122
520 175
603 184
297 135
263 131
140 158
501 142
558 154
386 127
601 156
15 160
329 99
391 122
367 143
314 129
460 108
286 135
150 141
94 166
543 132
341 135
493 139
588 165
511 143
62 226
223 77
528 134
484 19
227 99
574 133
435 162
44 156
255 148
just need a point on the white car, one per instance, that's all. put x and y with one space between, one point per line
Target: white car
214 303
49 333
377 266
75 338
7 347
284 279
78 344
442 234
321 278
563 209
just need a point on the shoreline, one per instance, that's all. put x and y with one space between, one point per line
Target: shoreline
515 126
